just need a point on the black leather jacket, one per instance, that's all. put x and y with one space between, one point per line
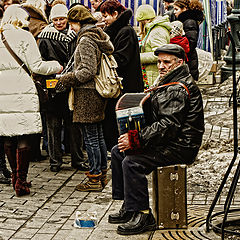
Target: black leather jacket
177 119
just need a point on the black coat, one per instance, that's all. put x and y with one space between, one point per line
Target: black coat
54 45
127 55
126 52
177 123
191 20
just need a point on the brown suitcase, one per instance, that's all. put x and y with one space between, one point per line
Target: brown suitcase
169 196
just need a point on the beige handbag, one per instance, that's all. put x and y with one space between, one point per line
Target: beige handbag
108 83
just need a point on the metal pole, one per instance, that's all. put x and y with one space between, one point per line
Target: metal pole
233 185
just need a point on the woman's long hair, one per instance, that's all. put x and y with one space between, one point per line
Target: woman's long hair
142 26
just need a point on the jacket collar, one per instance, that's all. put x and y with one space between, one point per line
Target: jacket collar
196 15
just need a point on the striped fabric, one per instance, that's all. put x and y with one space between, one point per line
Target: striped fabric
133 4
218 14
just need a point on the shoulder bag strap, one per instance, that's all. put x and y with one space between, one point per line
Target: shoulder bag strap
19 61
168 84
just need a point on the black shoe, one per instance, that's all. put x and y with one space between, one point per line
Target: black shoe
7 173
39 158
3 179
139 223
55 168
121 217
81 166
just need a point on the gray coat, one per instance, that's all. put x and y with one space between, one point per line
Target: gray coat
88 105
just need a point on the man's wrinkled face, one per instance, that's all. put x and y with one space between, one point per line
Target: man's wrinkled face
60 23
167 62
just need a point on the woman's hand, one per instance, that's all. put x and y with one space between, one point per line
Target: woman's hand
60 70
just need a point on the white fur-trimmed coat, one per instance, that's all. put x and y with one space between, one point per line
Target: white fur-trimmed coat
19 103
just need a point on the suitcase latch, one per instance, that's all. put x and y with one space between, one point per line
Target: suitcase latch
174 216
173 176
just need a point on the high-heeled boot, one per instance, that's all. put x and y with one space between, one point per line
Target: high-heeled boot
12 159
23 158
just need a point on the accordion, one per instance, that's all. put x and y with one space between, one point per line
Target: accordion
133 111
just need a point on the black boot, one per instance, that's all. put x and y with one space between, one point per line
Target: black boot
139 223
3 179
7 173
82 166
11 156
122 216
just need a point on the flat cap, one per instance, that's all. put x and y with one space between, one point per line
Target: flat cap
172 49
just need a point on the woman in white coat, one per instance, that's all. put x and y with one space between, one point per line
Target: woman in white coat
19 103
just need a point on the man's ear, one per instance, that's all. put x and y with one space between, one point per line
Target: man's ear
181 61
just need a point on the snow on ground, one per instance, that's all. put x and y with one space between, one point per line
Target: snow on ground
215 155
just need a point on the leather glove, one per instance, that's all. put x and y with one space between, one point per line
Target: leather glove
60 87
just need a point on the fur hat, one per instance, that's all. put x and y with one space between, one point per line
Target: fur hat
145 12
177 29
172 49
58 10
80 14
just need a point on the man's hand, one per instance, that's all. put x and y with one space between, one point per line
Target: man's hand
123 142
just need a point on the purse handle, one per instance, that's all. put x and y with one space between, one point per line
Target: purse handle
19 61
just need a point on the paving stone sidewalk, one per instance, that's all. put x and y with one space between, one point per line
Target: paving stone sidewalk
49 211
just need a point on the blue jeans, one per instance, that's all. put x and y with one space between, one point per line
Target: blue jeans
95 147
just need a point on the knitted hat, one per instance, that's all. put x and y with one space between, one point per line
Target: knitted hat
177 29
80 14
172 49
145 12
58 10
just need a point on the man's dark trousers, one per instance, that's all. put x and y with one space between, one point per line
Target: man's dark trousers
129 182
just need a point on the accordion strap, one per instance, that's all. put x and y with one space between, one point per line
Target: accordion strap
168 84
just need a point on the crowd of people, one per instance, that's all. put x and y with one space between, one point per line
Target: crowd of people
46 42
